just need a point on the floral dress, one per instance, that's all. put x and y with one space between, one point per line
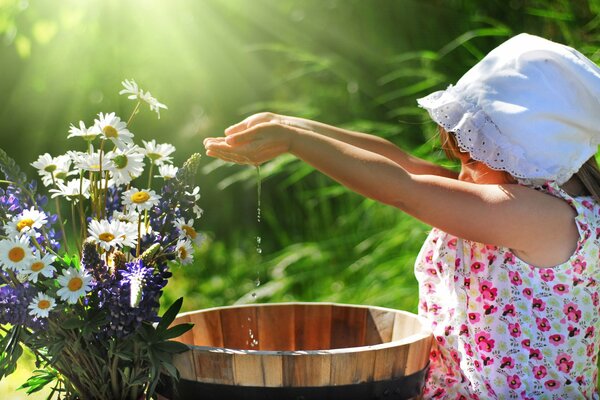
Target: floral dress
505 329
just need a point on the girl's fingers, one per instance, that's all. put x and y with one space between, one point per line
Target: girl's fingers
240 126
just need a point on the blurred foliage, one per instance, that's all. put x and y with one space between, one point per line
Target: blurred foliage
353 63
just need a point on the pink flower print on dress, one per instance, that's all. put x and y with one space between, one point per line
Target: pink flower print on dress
474 317
589 332
507 362
528 293
455 356
591 350
441 341
539 304
489 309
579 264
464 330
488 291
509 309
467 283
552 384
543 324
484 342
431 271
487 361
509 258
560 289
572 311
515 278
564 362
573 331
535 354
514 382
452 243
429 257
547 274
588 204
468 350
477 365
526 343
477 267
556 339
514 330
539 372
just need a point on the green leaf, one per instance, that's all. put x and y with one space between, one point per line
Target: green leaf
176 331
38 381
169 315
171 347
72 323
171 370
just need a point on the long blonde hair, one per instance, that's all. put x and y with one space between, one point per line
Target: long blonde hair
588 174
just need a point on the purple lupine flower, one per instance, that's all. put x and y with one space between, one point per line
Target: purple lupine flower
115 295
13 306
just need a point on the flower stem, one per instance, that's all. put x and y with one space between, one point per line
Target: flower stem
60 219
135 110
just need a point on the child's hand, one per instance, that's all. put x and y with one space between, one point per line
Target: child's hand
251 142
254 120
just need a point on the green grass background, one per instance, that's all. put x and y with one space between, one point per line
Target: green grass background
353 63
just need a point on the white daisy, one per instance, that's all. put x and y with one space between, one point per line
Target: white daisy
196 194
129 217
184 251
75 283
154 104
72 189
28 222
128 164
112 234
87 134
132 89
37 266
15 253
53 169
41 305
140 199
135 93
167 171
158 153
187 231
114 129
91 162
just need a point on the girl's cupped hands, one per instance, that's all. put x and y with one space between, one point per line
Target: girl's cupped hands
255 140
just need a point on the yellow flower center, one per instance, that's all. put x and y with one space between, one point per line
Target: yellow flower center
16 254
106 237
75 284
189 231
26 222
50 168
154 156
43 304
183 253
110 132
37 266
140 197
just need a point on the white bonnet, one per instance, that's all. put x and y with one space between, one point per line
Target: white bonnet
530 107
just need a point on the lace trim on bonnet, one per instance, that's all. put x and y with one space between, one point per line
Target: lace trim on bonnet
478 135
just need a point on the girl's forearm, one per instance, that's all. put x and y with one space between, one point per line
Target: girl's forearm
374 144
367 173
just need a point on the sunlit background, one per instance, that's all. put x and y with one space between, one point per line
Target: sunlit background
356 63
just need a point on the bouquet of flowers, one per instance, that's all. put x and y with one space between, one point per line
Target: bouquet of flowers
82 293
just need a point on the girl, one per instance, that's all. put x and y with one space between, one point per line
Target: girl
508 275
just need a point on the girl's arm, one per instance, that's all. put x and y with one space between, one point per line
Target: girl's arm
539 227
371 143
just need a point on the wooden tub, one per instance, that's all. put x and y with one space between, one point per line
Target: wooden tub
301 351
